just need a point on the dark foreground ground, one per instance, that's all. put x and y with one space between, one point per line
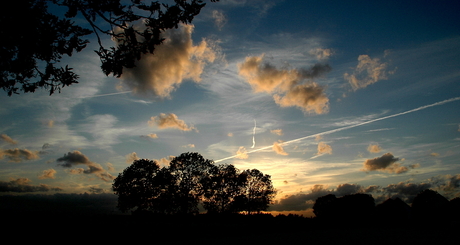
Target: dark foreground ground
205 229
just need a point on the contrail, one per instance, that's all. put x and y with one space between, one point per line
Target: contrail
100 95
351 126
254 135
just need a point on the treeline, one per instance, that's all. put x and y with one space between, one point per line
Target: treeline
189 183
427 206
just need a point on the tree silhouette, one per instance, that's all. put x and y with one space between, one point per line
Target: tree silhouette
189 170
350 208
430 205
139 186
257 192
393 210
188 181
35 40
224 184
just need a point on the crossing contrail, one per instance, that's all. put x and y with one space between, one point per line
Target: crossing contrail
100 95
254 135
350 126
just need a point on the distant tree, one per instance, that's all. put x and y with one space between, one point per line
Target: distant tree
430 205
393 210
221 188
350 208
35 40
325 206
139 186
256 193
190 171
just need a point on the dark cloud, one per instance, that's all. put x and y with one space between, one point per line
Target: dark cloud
348 189
385 163
77 158
23 185
300 201
290 87
19 155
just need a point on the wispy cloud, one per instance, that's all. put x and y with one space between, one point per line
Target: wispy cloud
8 139
374 148
219 18
367 72
279 149
48 174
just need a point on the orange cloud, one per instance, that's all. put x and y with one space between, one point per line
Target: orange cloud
48 174
242 153
374 148
290 87
279 149
324 148
277 131
8 139
18 155
367 72
170 121
177 59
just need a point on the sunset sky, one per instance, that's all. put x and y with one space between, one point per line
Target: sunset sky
325 96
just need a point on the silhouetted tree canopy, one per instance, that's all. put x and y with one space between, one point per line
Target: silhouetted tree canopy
35 40
429 204
188 182
353 207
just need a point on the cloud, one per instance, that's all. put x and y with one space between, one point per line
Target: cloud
241 153
321 53
131 157
153 136
19 155
348 189
189 146
290 87
385 163
374 148
324 148
175 60
300 201
77 158
150 136
230 134
219 19
165 160
309 97
8 139
277 131
170 121
47 174
22 185
279 149
367 72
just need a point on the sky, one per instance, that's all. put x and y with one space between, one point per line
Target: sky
328 97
